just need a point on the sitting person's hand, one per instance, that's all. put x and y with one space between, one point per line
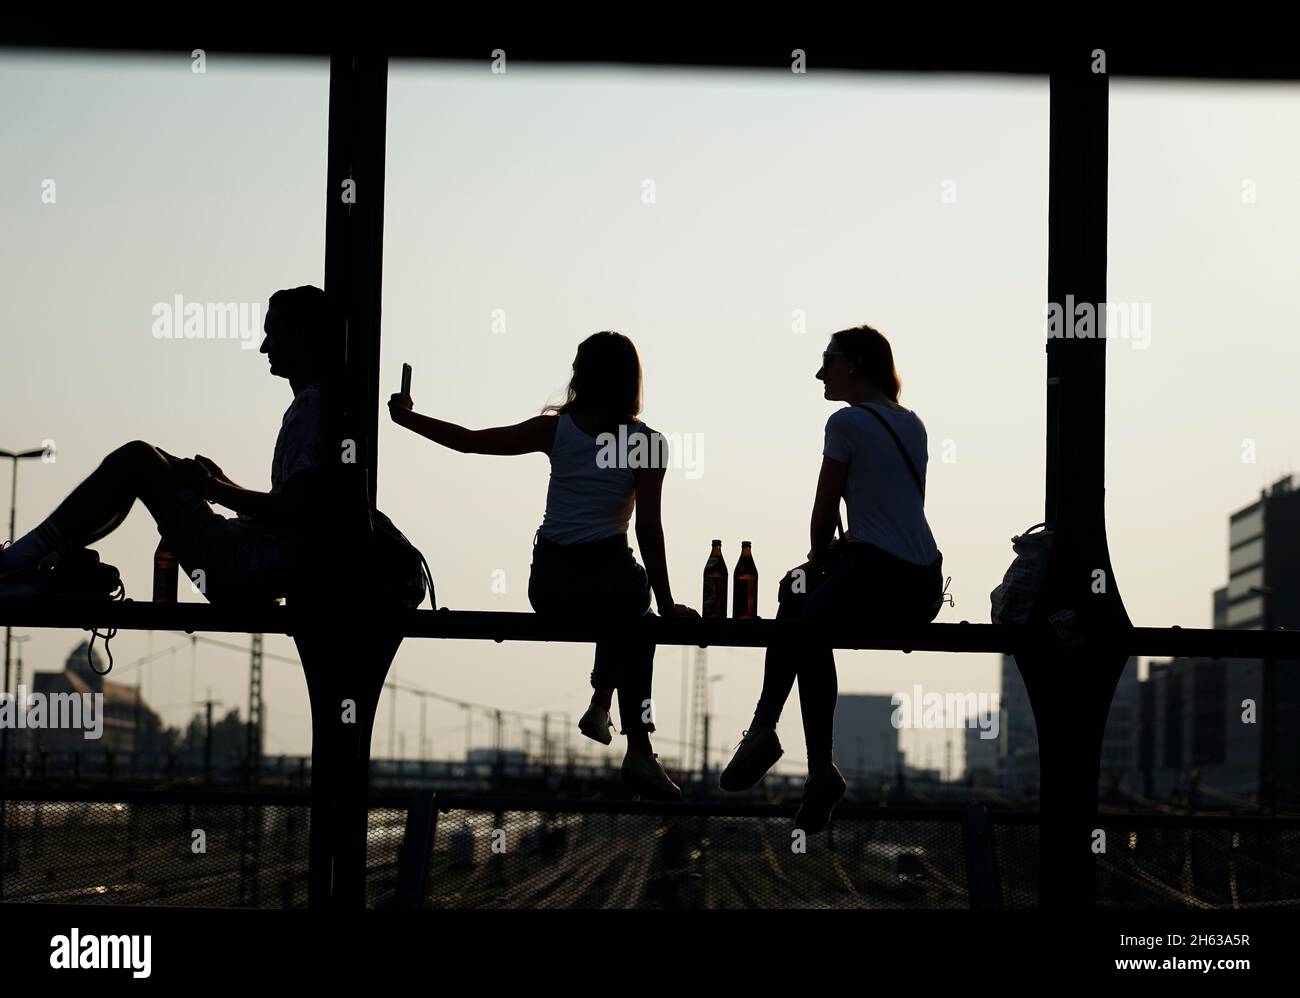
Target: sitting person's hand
679 610
213 469
192 473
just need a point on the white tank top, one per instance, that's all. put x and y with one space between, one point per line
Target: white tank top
584 501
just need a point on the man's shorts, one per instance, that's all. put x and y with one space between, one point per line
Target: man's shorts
228 560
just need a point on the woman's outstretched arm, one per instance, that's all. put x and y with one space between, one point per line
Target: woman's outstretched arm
536 434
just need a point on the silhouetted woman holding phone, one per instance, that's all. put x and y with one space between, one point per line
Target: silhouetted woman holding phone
582 565
886 569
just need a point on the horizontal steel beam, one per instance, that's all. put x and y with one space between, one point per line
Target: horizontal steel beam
482 625
887 52
716 808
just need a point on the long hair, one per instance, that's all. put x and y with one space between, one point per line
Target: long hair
606 380
874 357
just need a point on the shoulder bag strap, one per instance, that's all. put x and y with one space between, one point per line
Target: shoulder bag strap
916 476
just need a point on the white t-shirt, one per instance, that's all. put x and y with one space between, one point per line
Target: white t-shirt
297 448
884 503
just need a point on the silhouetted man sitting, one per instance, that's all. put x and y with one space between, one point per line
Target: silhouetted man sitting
252 557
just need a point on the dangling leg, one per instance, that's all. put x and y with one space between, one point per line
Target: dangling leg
760 748
634 704
641 767
818 692
595 723
780 667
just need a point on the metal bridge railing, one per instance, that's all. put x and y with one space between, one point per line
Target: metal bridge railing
483 625
251 849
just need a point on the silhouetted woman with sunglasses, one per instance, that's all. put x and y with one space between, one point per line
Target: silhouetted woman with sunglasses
889 569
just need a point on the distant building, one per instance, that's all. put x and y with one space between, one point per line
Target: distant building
1184 714
129 724
866 741
1120 775
1018 735
1199 742
1264 591
982 753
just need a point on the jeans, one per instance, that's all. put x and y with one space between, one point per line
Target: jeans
871 586
601 580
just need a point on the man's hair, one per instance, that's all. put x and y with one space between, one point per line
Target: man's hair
305 307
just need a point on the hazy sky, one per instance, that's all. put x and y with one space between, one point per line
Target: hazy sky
517 223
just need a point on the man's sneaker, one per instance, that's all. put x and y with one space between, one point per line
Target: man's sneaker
596 725
758 751
23 582
821 792
643 774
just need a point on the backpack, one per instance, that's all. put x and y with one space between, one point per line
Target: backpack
79 573
1012 601
405 573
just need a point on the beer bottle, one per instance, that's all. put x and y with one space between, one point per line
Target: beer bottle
165 573
744 603
715 585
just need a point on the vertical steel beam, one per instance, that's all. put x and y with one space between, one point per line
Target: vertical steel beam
982 879
1069 668
344 660
354 259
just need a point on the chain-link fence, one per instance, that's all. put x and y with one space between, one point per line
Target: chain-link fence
212 855
1146 866
517 859
255 854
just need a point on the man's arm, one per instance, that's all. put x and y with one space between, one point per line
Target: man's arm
213 470
286 506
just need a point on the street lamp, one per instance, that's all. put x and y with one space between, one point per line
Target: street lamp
15 457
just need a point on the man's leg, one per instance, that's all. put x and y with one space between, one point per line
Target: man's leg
98 505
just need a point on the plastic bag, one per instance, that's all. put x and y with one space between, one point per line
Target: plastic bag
1012 601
